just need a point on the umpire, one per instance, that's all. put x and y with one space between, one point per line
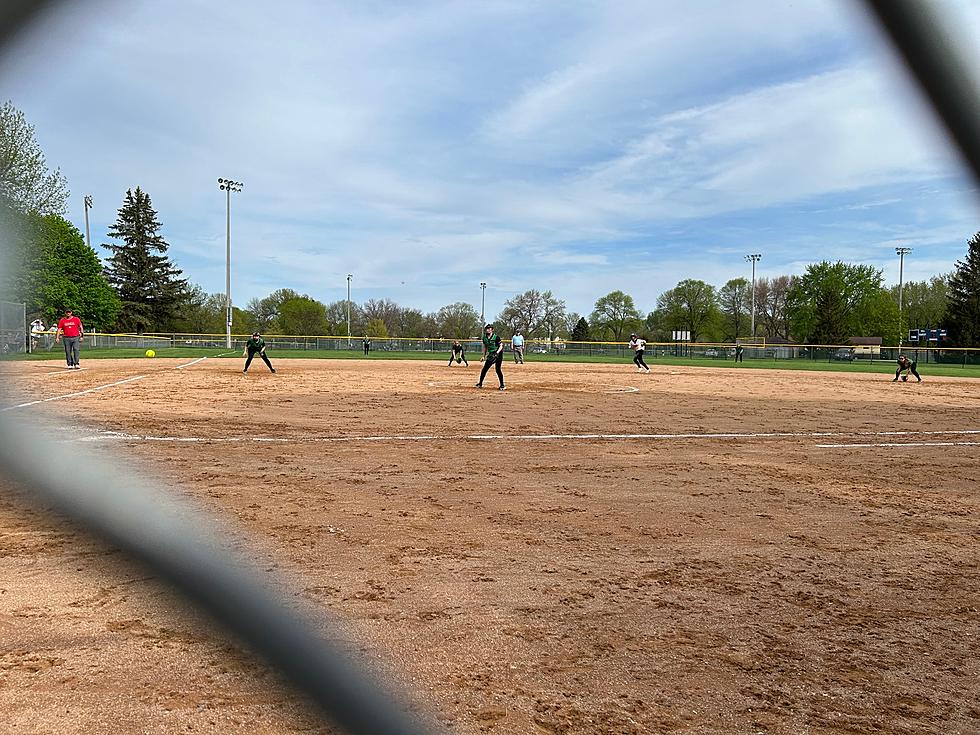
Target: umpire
255 345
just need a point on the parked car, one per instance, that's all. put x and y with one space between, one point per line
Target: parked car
711 352
844 354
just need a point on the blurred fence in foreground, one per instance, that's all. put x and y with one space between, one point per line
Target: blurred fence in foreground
557 348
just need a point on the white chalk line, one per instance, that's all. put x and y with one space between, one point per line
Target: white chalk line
599 389
93 389
193 362
898 444
124 436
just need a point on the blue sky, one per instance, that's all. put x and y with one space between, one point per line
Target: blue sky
427 146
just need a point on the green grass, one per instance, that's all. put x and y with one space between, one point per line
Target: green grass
858 366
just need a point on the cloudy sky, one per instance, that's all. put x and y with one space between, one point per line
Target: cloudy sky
425 147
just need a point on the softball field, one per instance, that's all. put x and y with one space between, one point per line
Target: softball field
593 550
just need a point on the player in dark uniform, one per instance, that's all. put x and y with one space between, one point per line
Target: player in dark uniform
458 354
908 366
493 354
255 345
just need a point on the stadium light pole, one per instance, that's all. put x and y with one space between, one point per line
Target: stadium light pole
88 206
483 303
349 276
754 258
902 252
228 186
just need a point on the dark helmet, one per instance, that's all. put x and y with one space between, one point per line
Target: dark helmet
488 326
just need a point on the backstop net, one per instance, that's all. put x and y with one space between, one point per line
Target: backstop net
13 328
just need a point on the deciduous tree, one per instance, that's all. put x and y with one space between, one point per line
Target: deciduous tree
387 311
458 321
376 328
26 184
303 315
264 313
692 306
614 316
735 302
771 296
924 302
70 276
811 294
535 313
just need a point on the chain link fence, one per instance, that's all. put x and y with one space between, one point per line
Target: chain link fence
558 348
13 328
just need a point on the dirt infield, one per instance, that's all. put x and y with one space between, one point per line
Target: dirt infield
591 551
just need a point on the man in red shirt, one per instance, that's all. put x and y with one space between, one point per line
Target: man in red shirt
71 328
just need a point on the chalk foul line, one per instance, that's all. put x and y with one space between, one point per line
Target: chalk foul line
94 389
124 436
897 445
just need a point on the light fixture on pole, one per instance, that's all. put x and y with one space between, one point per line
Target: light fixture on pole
754 258
349 276
483 303
227 185
88 206
902 252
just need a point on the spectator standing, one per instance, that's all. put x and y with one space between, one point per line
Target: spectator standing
37 329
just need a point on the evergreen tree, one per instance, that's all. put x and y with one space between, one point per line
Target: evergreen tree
581 331
962 320
148 283
830 325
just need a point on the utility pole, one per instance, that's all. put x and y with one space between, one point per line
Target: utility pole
349 276
88 206
227 185
902 252
754 258
483 305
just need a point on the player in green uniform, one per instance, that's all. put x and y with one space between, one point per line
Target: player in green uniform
255 345
907 366
458 354
493 354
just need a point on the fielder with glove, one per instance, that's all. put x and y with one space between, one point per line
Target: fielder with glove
255 345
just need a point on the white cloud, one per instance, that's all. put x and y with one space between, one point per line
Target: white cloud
548 145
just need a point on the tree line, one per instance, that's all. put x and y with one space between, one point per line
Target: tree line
139 289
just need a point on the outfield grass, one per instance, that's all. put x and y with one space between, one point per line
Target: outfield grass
858 366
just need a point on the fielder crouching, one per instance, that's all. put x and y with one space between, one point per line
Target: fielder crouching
255 345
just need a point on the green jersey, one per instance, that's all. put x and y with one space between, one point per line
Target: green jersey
255 345
491 344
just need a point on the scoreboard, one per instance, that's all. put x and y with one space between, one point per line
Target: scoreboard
927 335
